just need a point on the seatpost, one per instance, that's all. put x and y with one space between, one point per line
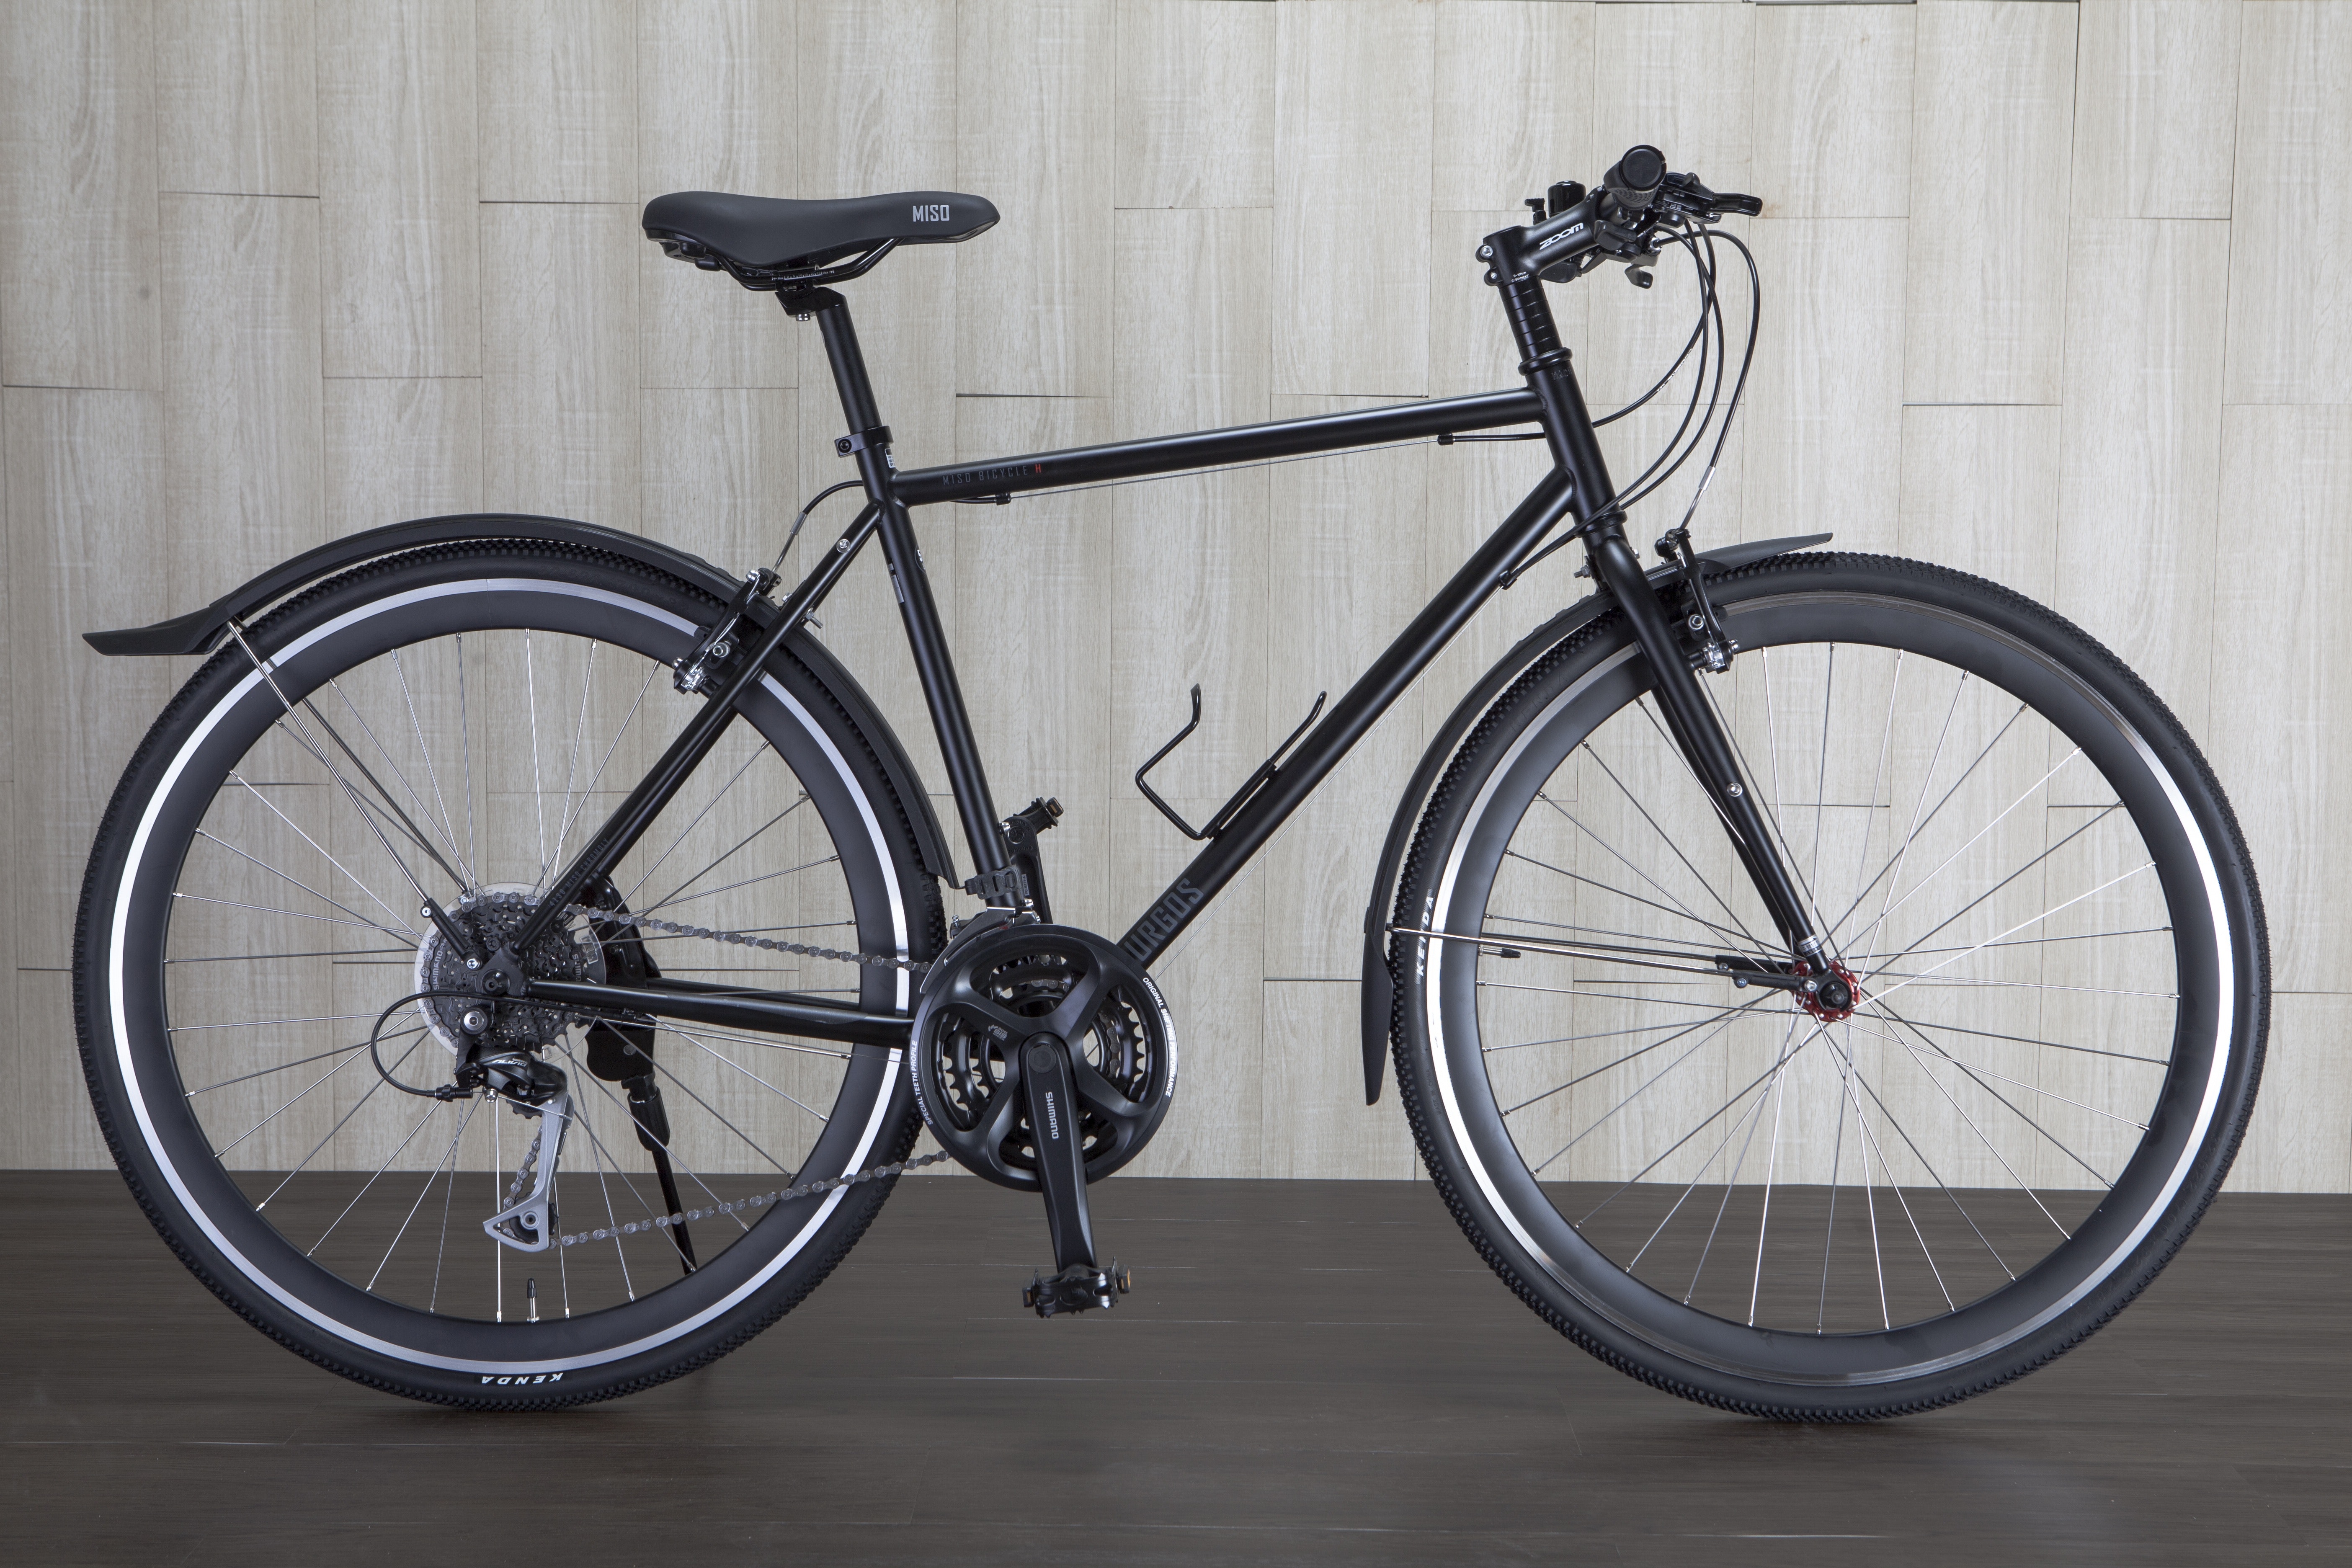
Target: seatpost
1576 447
868 442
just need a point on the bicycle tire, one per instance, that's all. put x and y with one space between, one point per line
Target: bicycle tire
162 828
1570 1232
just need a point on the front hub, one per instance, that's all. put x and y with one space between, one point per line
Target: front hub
1835 997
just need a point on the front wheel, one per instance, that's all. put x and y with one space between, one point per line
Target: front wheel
255 983
1740 1193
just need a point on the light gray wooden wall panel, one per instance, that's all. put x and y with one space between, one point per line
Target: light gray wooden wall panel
1512 83
1195 104
487 327
400 261
558 86
1189 557
2138 497
2298 1140
1033 135
717 110
1315 1122
85 502
1351 176
716 463
2291 252
876 87
397 449
1980 492
1825 421
1211 977
235 97
1993 121
1346 558
1678 77
2288 475
1029 580
78 257
242 438
1833 111
2155 107
559 359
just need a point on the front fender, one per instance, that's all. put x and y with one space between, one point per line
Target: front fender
200 630
1378 990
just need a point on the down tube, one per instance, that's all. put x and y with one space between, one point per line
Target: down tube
1349 718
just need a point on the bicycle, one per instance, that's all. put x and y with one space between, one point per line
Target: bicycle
342 940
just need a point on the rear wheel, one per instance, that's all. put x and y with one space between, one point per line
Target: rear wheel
453 723
1761 1200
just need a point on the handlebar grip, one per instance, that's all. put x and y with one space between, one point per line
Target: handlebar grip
1633 180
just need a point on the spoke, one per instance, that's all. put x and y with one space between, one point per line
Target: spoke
1862 864
432 773
1665 946
283 1067
2039 784
337 953
2012 931
348 875
1837 1145
296 881
1772 1155
298 1098
270 1022
448 1194
430 1177
724 854
1666 1153
2096 1173
768 877
1630 1099
2027 1188
711 805
598 1154
1925 1164
755 1077
371 1181
1663 836
1685 1025
538 784
730 1127
1870 1141
1974 1068
1570 989
1680 1029
670 1149
1731 1183
1726 933
1926 778
571 767
1904 853
588 793
466 756
1821 799
1964 980
357 1106
293 914
2022 942
408 826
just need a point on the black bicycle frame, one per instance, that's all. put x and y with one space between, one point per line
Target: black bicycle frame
1577 486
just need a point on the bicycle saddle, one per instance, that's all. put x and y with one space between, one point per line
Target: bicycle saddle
766 234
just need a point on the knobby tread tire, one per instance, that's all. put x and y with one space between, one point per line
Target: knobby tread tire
865 1201
1434 1145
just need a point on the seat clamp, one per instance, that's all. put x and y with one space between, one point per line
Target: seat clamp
862 440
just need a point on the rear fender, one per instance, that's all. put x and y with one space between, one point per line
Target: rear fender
201 630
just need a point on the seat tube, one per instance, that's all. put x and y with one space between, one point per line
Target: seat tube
869 442
1576 447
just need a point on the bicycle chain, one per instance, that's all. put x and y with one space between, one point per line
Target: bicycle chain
745 939
783 1194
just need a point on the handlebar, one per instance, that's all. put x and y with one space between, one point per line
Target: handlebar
1575 230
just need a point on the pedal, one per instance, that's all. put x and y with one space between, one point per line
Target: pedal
1076 1289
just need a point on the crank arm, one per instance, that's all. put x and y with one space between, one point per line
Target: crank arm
1061 1165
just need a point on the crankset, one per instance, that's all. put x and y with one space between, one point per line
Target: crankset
1043 1058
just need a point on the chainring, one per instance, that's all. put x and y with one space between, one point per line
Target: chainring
987 994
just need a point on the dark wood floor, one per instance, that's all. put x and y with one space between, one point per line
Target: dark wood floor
1312 1373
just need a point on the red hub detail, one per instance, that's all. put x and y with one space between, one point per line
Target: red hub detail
1839 977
